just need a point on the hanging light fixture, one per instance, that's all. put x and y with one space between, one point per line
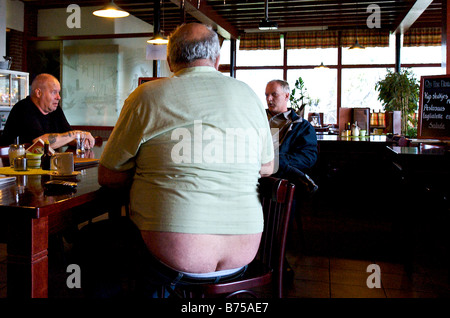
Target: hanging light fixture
356 45
265 23
321 66
111 11
157 37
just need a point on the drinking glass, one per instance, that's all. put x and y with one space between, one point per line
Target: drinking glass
81 137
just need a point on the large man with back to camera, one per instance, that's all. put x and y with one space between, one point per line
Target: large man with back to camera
294 138
40 116
197 212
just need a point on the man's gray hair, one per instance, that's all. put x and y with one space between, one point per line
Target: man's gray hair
284 85
182 51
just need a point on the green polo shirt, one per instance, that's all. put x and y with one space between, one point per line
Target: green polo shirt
196 141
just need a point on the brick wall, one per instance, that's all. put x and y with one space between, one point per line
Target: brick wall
16 49
17 40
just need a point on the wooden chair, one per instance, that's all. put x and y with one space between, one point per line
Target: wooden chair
276 198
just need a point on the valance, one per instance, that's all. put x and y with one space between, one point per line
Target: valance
422 37
314 39
260 41
311 40
366 37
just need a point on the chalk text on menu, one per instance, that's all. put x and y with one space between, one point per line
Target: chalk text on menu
434 113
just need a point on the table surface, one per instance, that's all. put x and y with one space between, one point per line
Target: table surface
29 214
423 150
27 194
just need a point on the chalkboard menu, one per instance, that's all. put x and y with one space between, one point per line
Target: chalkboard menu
434 107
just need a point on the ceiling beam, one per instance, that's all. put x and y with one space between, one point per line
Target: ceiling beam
206 14
413 14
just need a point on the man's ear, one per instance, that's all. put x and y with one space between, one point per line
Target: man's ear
216 64
38 92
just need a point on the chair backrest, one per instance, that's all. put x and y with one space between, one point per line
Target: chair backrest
276 197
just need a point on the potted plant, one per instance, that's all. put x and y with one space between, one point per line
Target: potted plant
299 97
399 91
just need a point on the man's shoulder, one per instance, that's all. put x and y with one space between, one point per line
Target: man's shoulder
23 105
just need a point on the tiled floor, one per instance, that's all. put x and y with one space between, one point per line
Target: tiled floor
331 277
333 263
322 270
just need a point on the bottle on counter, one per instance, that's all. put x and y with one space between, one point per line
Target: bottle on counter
46 157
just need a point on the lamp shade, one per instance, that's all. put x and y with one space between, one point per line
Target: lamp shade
321 66
111 11
158 39
356 46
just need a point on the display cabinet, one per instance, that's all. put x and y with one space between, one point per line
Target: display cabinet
13 88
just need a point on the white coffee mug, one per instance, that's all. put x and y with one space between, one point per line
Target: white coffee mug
62 162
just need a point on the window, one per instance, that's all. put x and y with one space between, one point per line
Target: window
312 57
370 55
358 87
360 70
421 54
321 85
259 57
257 80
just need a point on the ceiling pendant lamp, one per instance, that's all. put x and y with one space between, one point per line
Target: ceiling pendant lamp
111 11
265 23
158 39
356 46
321 66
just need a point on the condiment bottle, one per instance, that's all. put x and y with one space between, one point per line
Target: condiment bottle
46 157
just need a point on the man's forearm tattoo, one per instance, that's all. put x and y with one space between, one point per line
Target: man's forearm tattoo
51 138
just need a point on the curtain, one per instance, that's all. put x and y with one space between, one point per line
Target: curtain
314 39
260 41
311 40
365 37
422 37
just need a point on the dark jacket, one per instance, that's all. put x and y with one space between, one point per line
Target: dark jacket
299 148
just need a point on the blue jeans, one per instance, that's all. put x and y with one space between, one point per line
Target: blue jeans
115 262
159 281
